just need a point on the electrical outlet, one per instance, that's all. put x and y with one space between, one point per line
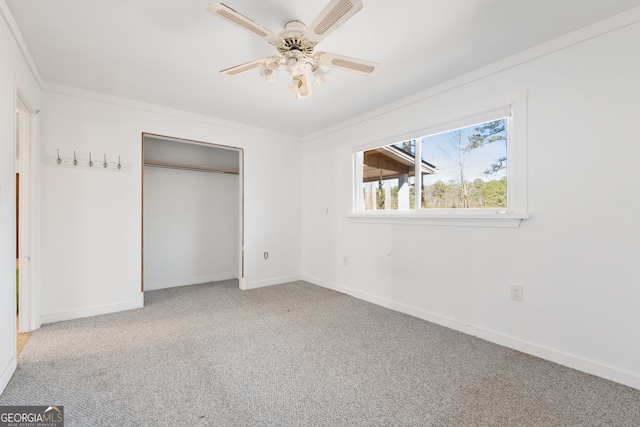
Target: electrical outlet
516 292
345 261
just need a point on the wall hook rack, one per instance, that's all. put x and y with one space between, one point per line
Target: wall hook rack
79 161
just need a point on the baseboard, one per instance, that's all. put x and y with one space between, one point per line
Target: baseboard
271 282
87 312
623 377
7 373
217 277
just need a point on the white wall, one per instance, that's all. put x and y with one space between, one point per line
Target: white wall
191 227
92 219
14 75
576 256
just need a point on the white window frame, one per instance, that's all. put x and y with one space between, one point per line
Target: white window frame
515 110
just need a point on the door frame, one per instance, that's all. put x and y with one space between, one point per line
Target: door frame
26 136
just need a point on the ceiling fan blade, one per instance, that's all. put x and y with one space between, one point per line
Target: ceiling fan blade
332 16
225 12
238 69
355 65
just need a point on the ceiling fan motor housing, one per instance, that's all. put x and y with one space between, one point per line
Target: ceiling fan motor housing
293 39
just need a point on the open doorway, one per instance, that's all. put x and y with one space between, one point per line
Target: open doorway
192 212
25 143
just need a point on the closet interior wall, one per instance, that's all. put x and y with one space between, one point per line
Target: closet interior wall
191 213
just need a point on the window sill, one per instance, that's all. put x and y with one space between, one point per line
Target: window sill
462 219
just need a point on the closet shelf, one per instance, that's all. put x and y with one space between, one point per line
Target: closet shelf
155 164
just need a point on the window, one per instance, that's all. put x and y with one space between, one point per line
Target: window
469 167
388 177
466 169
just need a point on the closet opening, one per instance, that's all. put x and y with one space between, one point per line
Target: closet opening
192 212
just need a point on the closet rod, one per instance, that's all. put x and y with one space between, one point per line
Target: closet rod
187 167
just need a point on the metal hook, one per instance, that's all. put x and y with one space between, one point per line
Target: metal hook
90 161
59 161
119 165
105 165
75 161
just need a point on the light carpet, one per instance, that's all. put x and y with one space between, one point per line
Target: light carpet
296 355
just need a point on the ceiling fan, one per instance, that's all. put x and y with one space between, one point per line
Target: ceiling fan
295 45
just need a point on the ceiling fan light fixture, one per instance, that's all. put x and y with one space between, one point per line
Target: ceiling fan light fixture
294 61
320 74
268 70
300 87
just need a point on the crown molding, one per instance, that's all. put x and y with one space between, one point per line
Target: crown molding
22 45
72 91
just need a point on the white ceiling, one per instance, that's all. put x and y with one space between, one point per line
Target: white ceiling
169 52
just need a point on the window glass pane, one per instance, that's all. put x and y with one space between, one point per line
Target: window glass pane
468 167
388 177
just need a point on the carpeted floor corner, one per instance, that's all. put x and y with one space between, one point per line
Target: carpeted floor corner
296 355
